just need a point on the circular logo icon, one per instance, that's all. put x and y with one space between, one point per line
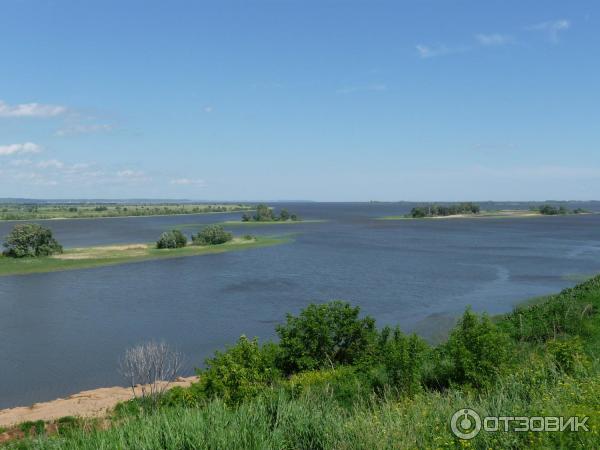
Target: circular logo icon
465 423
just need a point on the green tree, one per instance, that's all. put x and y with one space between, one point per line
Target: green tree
30 239
284 215
263 213
212 235
171 239
324 336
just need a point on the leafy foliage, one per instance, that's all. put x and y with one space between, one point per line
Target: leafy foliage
212 235
476 353
29 240
324 336
402 357
240 372
171 239
442 210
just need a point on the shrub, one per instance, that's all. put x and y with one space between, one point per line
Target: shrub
239 373
402 358
171 239
152 366
324 336
476 352
567 353
212 235
30 239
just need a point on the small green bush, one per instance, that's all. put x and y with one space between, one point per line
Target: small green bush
476 353
37 427
212 235
402 358
171 239
239 373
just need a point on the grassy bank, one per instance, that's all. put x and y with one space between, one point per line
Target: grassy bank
83 258
539 360
500 214
102 210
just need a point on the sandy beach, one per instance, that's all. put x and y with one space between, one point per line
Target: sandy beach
92 403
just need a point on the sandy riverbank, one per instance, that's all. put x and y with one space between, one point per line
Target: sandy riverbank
92 403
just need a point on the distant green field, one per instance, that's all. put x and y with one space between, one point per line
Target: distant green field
98 210
83 258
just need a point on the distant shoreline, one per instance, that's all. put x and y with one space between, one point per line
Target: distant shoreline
501 214
126 217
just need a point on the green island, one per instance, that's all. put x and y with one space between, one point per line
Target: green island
473 211
334 380
31 248
40 211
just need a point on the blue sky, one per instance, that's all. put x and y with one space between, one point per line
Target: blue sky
286 99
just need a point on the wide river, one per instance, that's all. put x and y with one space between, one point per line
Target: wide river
64 332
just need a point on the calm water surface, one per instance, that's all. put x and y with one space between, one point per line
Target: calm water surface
63 332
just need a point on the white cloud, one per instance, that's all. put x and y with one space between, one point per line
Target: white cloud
188 181
18 149
208 109
30 110
551 28
494 39
426 51
83 129
51 163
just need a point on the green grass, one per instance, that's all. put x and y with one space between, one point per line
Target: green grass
101 210
111 255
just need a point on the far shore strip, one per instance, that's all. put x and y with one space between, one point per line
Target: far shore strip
87 404
505 213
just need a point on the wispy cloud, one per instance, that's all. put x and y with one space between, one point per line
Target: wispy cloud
30 110
18 149
374 87
427 51
551 29
188 182
73 129
131 174
494 39
208 109
51 163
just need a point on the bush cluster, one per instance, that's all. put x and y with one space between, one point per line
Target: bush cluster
30 240
212 235
442 210
265 213
171 239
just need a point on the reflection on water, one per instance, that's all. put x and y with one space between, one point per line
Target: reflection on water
63 332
